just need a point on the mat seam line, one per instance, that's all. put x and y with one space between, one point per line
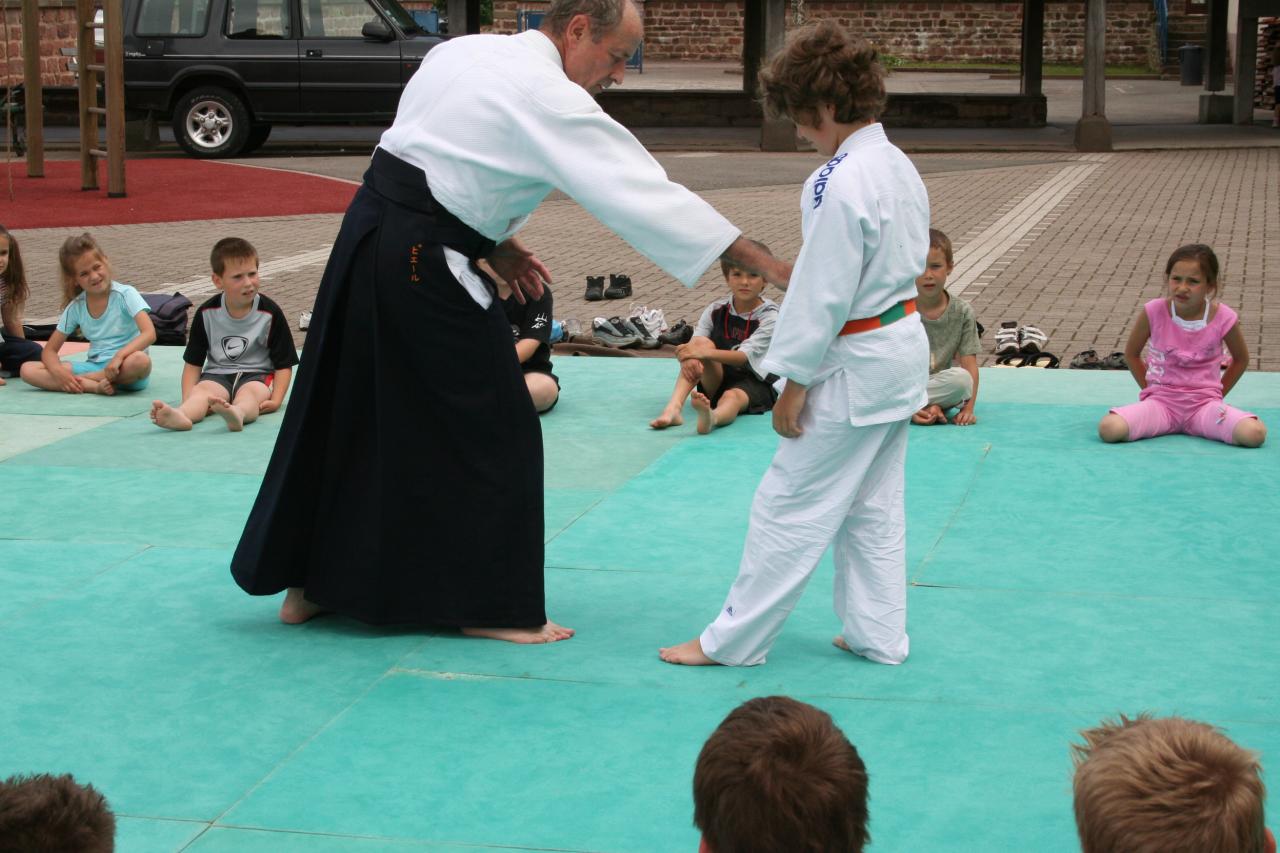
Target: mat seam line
951 519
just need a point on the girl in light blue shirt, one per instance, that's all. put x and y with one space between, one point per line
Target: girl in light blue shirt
112 316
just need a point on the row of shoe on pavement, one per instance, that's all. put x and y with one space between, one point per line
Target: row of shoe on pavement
642 327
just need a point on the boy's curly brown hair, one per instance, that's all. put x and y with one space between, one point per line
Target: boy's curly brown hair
823 63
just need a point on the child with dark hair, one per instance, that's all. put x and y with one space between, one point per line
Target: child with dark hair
15 349
855 358
54 814
240 357
1182 382
719 366
953 336
778 776
1167 786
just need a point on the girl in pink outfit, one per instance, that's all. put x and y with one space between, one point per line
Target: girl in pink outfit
1181 380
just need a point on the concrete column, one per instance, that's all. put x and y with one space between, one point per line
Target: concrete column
1093 131
1246 68
1215 107
775 134
1032 47
464 17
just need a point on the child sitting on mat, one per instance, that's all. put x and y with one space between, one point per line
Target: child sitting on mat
1170 785
778 774
240 356
112 316
531 329
720 365
953 336
1182 381
856 361
15 349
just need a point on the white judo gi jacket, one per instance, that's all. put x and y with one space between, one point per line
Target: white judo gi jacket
496 125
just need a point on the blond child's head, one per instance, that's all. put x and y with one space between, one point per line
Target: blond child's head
1167 785
938 264
84 266
823 65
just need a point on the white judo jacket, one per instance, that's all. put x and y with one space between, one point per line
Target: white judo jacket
865 220
496 125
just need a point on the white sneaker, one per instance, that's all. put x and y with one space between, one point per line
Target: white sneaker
304 322
653 318
1007 341
614 332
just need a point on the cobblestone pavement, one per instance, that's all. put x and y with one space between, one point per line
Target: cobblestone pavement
1072 243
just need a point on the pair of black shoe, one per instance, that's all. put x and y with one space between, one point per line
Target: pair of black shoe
619 287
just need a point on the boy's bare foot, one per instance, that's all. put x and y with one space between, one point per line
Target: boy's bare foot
229 413
929 415
296 609
706 418
687 654
164 415
2 382
548 633
666 419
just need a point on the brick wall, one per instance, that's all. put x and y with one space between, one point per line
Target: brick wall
57 30
983 31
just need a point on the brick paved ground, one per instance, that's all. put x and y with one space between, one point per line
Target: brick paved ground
1071 243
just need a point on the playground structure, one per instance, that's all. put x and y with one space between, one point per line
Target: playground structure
109 67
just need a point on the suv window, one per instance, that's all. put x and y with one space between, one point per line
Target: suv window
258 19
335 19
173 17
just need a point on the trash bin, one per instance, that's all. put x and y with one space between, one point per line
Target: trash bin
1191 64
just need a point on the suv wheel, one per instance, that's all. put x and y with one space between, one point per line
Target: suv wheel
211 122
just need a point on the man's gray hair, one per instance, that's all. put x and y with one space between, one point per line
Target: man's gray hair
605 15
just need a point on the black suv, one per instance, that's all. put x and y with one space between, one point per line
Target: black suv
225 70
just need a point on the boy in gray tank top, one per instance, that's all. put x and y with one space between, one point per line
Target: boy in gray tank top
240 356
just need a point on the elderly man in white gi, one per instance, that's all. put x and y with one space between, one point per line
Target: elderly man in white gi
406 484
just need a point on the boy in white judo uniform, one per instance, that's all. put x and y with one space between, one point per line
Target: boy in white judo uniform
856 360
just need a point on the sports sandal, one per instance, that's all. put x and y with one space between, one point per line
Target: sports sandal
619 287
1010 359
1031 340
1007 338
595 288
1042 359
1086 360
1115 361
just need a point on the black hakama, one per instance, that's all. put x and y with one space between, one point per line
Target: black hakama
406 482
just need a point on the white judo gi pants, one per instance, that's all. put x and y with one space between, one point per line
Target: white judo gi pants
836 484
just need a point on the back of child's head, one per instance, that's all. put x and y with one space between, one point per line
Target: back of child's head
72 250
1166 786
778 775
941 242
726 264
54 813
230 249
14 275
822 63
1202 255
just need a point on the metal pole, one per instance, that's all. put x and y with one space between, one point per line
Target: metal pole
34 88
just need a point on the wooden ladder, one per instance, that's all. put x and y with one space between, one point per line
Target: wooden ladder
112 71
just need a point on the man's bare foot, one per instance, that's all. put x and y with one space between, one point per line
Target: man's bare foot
229 413
296 609
2 382
702 405
548 633
929 415
687 654
839 643
164 415
666 419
